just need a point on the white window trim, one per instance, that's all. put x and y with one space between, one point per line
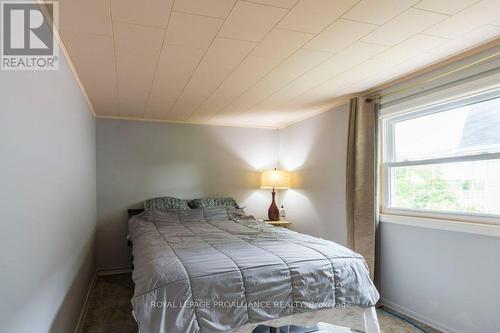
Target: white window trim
444 216
387 140
477 228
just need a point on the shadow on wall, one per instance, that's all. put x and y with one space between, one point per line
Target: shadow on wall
73 302
64 288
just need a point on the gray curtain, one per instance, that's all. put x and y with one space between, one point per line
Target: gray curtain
361 184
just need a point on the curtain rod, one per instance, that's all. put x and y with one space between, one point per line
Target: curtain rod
419 83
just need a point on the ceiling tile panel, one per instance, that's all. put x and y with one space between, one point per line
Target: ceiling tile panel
378 11
409 49
214 8
88 46
104 104
450 7
132 102
90 16
176 65
395 61
337 64
387 72
314 15
154 13
192 30
98 76
251 21
389 63
468 40
339 35
135 70
220 60
319 95
280 44
137 39
201 85
94 61
404 26
471 18
374 71
248 72
359 72
135 76
227 52
341 84
293 67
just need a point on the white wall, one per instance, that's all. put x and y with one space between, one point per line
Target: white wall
141 160
316 151
47 200
449 279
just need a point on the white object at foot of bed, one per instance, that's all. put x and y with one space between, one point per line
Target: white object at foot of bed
355 318
371 320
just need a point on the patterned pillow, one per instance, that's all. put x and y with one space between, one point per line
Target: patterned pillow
163 203
213 202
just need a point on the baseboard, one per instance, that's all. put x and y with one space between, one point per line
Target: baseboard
86 303
113 271
403 310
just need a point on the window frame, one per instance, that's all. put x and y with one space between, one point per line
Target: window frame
387 160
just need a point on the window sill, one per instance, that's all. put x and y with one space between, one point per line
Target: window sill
441 224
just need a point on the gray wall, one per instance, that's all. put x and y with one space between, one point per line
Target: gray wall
141 160
47 200
449 279
316 151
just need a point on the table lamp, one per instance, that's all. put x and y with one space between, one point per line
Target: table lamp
277 180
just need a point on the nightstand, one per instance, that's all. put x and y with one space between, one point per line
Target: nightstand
284 224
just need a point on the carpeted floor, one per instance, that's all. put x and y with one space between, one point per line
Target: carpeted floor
110 311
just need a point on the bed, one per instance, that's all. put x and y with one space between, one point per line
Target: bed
217 270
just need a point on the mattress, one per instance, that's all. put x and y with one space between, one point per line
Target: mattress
215 270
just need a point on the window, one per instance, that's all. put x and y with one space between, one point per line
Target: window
444 159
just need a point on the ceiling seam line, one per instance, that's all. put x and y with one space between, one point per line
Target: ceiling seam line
199 62
451 15
158 61
117 86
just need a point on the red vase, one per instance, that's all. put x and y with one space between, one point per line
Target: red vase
273 213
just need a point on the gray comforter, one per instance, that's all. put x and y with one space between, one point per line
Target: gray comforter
212 270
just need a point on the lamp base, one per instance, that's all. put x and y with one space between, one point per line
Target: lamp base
273 213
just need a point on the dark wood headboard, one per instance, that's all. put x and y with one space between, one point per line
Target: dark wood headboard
134 211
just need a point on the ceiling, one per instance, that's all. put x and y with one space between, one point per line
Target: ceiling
258 62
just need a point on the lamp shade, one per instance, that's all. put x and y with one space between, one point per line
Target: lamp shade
278 179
